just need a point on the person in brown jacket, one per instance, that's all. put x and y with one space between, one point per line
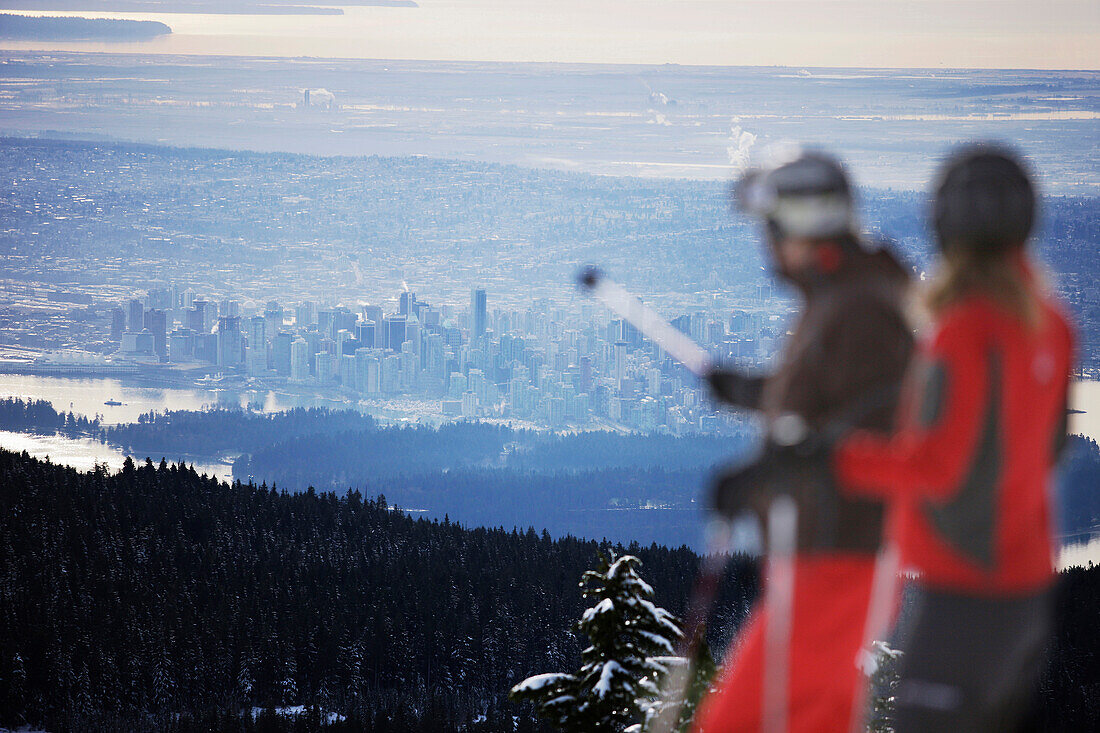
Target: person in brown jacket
794 665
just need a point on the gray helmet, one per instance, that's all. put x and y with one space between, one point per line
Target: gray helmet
805 194
984 201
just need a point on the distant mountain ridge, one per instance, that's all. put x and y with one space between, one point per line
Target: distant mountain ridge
225 7
43 28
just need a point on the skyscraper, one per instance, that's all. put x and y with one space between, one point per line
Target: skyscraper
305 314
156 321
257 332
198 318
135 320
256 354
299 360
478 320
118 323
325 362
394 332
230 341
280 345
273 315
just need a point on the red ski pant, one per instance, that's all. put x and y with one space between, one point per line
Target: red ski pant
831 595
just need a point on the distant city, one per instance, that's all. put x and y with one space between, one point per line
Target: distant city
550 366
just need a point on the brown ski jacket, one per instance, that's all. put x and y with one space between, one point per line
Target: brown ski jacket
840 369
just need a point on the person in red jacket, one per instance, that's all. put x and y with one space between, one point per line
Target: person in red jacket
793 666
968 473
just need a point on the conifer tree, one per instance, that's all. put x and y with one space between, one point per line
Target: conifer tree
630 642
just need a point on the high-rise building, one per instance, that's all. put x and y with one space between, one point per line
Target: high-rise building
257 332
342 319
299 360
412 334
325 362
478 384
620 363
430 317
230 341
469 405
156 322
342 338
405 303
653 382
280 348
435 357
181 345
367 371
390 375
394 332
199 318
305 314
135 319
118 323
273 315
478 319
137 344
347 371
585 383
365 333
372 313
324 320
256 358
206 347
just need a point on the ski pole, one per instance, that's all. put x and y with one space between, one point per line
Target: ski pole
883 591
779 604
645 319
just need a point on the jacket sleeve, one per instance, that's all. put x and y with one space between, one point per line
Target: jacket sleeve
865 356
929 455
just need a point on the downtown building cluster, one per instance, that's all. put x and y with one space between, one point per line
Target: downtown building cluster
552 366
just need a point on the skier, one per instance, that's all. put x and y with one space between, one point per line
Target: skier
968 472
841 365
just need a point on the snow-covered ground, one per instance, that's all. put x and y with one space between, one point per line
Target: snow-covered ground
293 711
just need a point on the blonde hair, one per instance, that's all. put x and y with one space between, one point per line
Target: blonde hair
964 272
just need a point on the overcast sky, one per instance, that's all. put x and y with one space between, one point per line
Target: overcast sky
1059 34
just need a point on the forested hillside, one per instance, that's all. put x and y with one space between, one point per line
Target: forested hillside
127 599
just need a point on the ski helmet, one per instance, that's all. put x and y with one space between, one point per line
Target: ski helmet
984 201
804 194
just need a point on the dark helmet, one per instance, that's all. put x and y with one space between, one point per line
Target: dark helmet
805 194
984 201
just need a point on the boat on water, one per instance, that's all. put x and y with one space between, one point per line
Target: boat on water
112 403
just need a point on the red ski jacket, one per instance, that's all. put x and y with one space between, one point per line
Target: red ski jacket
968 472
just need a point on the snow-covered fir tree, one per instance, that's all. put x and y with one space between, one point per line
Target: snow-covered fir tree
631 642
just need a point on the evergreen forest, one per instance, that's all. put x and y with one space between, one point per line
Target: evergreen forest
158 599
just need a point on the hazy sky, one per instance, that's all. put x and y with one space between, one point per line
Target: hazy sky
1062 34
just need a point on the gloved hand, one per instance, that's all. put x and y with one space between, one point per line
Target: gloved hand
735 388
740 489
802 469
